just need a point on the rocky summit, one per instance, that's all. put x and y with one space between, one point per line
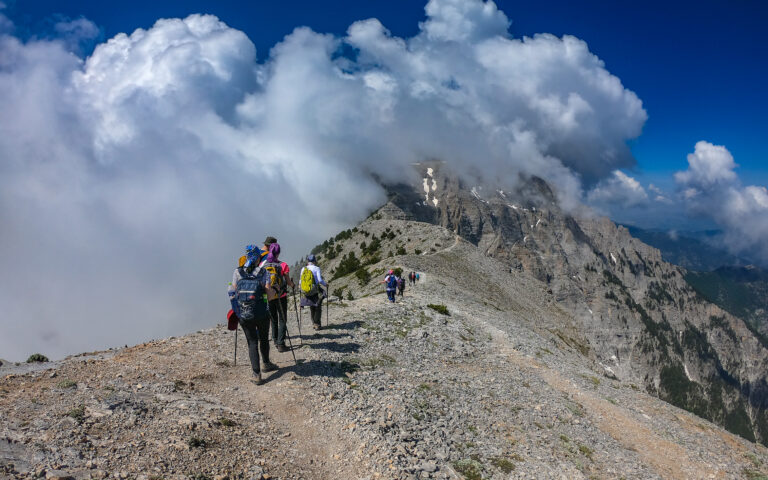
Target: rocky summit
535 345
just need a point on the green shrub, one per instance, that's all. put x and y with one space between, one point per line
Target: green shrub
373 247
349 296
349 263
363 276
196 442
471 469
503 464
401 250
224 421
442 309
37 357
417 251
398 271
78 413
67 383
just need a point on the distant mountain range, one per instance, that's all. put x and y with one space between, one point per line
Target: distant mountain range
690 250
726 280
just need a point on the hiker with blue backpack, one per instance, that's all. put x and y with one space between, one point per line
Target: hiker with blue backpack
310 280
248 296
390 281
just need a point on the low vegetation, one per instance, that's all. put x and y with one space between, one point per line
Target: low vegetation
37 358
441 309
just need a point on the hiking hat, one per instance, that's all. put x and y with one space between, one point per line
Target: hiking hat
311 258
269 241
251 264
250 248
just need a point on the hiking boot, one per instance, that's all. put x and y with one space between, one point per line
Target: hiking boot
316 326
257 379
270 367
283 348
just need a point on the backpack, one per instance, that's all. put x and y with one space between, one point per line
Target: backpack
251 297
308 284
276 278
391 282
400 283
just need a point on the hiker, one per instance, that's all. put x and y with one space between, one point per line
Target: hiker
312 294
390 281
400 285
412 278
417 276
247 294
277 293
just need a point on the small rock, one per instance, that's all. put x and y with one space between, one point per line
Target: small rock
428 467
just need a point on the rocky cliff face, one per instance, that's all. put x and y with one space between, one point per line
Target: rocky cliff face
641 320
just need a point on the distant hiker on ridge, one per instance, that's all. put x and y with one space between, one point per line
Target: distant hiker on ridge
248 295
390 281
310 280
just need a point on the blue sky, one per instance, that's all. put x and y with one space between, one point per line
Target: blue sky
699 67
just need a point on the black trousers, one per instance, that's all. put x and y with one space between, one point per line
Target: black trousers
317 313
257 335
278 310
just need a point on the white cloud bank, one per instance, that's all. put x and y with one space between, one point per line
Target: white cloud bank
130 180
619 189
712 189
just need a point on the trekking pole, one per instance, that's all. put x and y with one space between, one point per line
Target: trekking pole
298 319
327 304
288 336
235 347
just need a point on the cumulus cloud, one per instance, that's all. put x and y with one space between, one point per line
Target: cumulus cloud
131 179
712 189
618 189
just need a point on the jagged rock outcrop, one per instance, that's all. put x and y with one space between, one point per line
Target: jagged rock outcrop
641 319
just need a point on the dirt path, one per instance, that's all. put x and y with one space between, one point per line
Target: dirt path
312 443
666 458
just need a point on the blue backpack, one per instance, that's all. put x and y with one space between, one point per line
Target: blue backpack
251 297
391 282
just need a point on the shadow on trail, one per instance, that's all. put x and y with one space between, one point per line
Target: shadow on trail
318 335
315 368
334 346
345 326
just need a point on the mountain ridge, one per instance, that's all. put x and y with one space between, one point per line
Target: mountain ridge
501 387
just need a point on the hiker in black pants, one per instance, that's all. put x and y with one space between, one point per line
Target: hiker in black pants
315 300
257 329
278 294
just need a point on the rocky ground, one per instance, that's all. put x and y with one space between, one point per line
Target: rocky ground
500 387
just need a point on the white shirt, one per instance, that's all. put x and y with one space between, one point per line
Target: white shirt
316 272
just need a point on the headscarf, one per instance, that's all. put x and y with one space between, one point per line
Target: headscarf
274 252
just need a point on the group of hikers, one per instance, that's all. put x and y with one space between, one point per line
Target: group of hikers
395 284
258 294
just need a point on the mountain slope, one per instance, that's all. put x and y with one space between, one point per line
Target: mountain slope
502 387
641 320
741 291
